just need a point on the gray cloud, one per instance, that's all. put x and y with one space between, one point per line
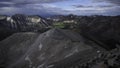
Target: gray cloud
46 7
41 9
106 6
5 3
81 6
117 2
31 1
98 9
97 6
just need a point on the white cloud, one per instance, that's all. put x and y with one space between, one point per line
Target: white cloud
49 5
11 10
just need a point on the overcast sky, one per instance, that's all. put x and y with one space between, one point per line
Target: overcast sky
51 7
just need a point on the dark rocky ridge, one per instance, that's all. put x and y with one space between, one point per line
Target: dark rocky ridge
55 48
102 28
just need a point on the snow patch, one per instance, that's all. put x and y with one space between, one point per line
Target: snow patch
40 46
29 60
40 66
69 55
75 51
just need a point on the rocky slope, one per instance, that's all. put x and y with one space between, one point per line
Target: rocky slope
20 41
55 48
21 23
109 59
102 28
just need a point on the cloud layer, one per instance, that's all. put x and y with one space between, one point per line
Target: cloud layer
116 2
53 7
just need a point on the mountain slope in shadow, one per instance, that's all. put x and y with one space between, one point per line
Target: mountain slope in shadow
55 48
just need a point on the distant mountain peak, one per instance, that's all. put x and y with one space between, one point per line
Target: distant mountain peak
23 22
